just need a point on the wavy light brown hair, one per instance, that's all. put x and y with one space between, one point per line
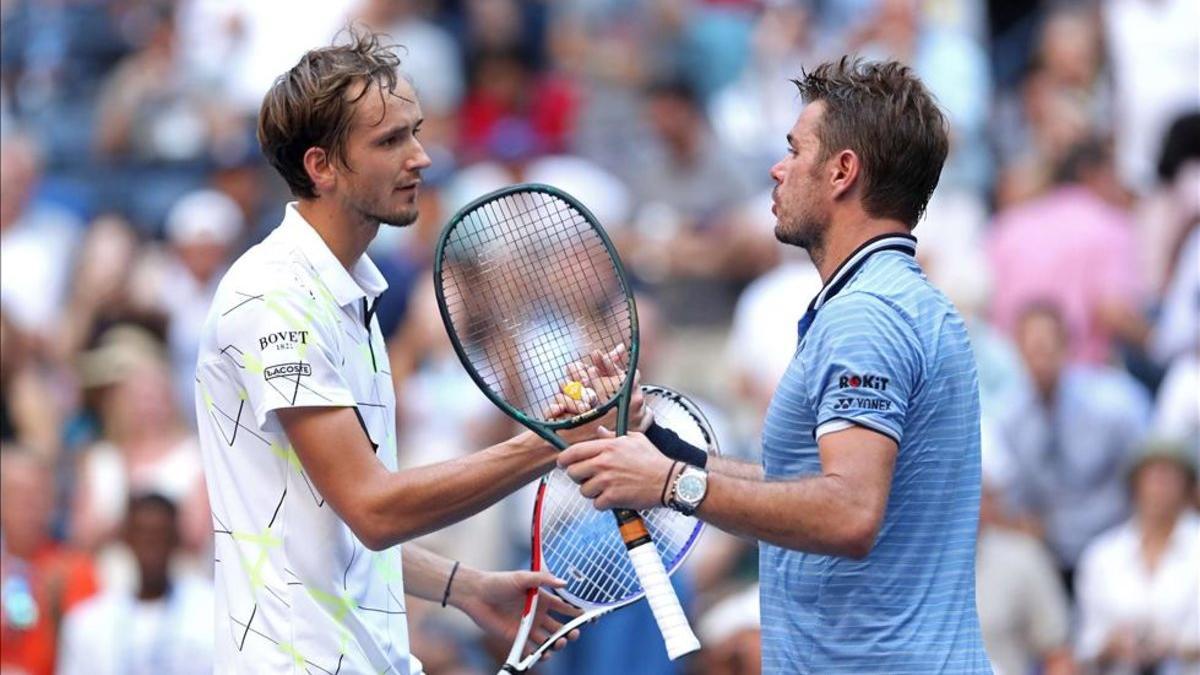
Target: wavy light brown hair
885 115
313 104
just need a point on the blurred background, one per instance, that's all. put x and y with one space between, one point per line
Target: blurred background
1065 228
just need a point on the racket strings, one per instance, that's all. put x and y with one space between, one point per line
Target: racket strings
583 546
524 313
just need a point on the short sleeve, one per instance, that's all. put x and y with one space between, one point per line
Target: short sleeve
862 365
289 351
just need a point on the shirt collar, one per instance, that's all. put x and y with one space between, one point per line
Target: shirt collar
345 286
905 243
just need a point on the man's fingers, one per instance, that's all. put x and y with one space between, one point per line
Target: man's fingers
581 472
577 371
540 579
579 452
590 488
619 355
604 364
568 405
556 604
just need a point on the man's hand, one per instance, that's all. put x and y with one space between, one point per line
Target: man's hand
596 379
618 472
495 600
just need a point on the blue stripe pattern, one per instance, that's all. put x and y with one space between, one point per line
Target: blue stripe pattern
887 351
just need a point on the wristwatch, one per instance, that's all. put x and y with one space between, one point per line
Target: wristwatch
689 490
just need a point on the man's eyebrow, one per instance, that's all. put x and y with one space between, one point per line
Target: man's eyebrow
399 129
392 131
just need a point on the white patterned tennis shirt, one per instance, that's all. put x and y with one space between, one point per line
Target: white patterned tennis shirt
296 591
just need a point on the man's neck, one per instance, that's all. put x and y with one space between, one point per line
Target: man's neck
843 238
347 238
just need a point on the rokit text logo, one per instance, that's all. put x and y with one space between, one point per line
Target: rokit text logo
287 370
865 381
283 339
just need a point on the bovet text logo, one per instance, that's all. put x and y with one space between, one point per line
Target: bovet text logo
283 339
287 370
865 381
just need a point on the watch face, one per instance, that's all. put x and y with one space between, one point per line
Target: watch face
691 489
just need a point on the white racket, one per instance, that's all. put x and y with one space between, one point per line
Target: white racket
582 546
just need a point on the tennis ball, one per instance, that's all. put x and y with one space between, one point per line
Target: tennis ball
574 390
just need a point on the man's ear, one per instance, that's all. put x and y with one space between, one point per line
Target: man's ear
845 167
319 166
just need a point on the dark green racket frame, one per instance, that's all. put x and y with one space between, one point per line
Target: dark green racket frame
544 429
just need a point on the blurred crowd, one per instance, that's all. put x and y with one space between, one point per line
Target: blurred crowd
1066 228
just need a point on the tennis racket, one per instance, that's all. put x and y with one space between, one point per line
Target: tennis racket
579 544
528 284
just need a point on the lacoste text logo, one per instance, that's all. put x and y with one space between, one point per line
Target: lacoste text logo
287 370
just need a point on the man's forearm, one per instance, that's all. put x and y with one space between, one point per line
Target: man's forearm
427 573
735 468
817 514
420 500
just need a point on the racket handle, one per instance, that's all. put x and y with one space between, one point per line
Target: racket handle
672 622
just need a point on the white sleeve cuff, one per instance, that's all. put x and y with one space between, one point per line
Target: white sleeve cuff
832 426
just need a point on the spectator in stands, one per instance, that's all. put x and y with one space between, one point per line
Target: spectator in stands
954 67
179 282
1166 215
508 95
685 167
160 626
1175 340
1138 585
1069 438
99 293
37 241
428 53
144 446
149 109
40 580
751 113
28 415
1063 97
1073 247
53 59
1155 54
687 192
1022 604
731 633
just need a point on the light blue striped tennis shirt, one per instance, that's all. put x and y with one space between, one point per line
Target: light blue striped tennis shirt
881 348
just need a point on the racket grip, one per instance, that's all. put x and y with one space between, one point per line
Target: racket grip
672 622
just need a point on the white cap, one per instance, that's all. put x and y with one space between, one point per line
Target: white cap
204 216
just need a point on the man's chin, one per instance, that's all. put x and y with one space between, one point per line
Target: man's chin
783 236
790 237
401 219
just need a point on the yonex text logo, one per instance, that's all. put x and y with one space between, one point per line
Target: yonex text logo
284 337
865 381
